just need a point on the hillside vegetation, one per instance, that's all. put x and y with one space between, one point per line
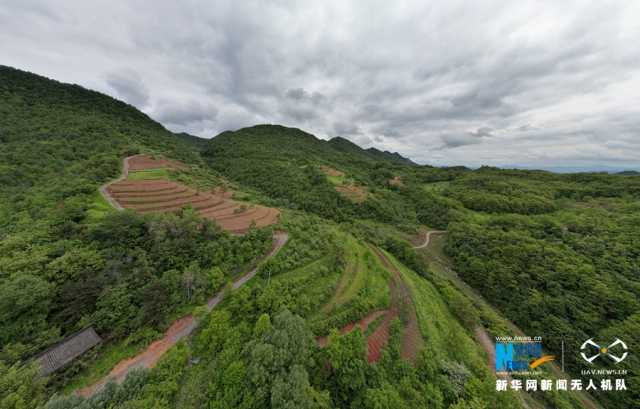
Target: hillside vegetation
556 254
66 259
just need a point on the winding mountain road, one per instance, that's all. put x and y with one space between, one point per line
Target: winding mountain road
483 338
180 328
427 238
103 189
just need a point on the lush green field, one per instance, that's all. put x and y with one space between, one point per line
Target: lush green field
336 180
149 174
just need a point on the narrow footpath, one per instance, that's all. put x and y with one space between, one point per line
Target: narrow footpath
427 238
103 189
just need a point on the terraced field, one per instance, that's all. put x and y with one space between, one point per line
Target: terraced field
161 195
362 324
402 302
345 185
352 279
376 324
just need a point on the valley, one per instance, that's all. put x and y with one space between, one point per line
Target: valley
269 268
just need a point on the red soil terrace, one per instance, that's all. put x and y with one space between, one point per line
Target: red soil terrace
146 196
401 300
363 324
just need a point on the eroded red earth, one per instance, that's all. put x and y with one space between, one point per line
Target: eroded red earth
411 341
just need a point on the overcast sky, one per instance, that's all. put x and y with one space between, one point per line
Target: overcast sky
528 83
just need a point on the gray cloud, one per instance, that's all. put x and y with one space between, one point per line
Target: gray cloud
184 114
448 83
346 129
128 85
483 132
457 140
297 93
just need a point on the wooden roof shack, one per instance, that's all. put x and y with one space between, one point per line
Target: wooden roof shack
67 350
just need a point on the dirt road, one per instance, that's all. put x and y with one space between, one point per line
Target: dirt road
180 329
427 238
481 335
103 189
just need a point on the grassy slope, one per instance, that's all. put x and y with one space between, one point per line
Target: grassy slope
491 319
312 281
439 327
362 287
444 336
352 278
98 208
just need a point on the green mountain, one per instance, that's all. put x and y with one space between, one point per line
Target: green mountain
347 146
393 156
629 173
335 179
60 139
196 141
554 254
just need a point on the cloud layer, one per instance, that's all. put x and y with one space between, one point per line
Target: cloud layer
529 83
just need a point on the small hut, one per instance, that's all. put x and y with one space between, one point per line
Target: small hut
67 350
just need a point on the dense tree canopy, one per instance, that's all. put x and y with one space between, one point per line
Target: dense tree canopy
556 254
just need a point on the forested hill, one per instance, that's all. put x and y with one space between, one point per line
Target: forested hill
60 140
555 254
336 179
58 144
280 142
347 146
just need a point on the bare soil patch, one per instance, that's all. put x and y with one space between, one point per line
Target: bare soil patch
353 192
329 171
146 196
362 324
396 181
380 337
